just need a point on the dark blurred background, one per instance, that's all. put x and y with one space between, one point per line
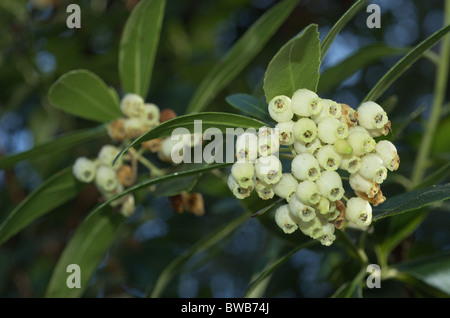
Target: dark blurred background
36 48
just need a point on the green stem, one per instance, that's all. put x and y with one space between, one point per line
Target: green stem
154 170
439 95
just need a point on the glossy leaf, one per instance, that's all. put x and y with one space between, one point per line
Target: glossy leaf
351 289
250 106
275 265
55 191
332 77
339 25
403 65
86 249
433 270
84 94
139 44
240 55
53 147
296 65
411 201
204 244
101 227
221 121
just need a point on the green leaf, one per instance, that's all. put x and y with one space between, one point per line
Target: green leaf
434 270
56 146
403 65
339 25
296 65
139 44
100 227
412 200
269 269
331 78
351 289
249 105
216 236
55 191
84 94
240 55
222 121
86 249
174 187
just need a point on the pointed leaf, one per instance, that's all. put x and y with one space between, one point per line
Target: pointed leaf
339 25
412 200
296 65
403 65
100 227
249 105
240 55
55 191
331 78
86 249
84 94
139 44
53 147
433 270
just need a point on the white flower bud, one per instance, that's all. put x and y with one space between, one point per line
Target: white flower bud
134 127
301 210
330 109
358 211
323 206
247 147
312 228
308 192
361 143
106 179
332 215
388 153
238 192
109 195
330 185
128 206
284 219
383 131
265 191
243 173
343 147
84 169
307 147
330 130
371 115
151 114
280 109
107 154
306 103
361 184
328 158
268 141
357 128
328 236
305 167
286 187
286 132
171 149
372 168
268 169
351 163
132 106
305 130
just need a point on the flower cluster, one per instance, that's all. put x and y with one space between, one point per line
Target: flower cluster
110 180
327 139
